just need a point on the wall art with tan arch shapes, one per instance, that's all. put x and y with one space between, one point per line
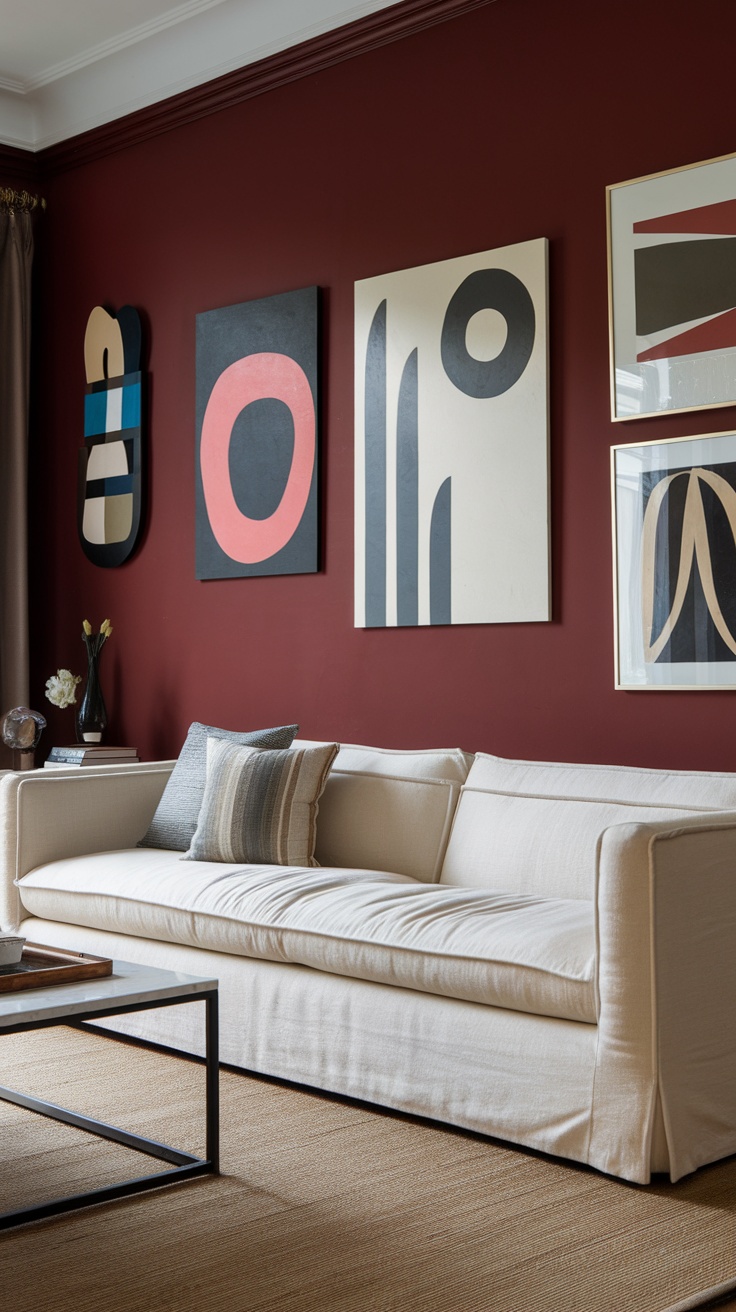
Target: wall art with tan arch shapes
675 586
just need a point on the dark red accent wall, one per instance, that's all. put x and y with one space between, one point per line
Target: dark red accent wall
18 168
501 125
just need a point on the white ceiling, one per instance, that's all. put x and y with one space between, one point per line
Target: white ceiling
69 65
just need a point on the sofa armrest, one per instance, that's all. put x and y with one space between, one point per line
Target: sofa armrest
46 815
666 925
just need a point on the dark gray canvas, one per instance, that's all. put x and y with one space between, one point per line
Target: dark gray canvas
255 364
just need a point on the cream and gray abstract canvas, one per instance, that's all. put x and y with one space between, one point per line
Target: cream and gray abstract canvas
451 421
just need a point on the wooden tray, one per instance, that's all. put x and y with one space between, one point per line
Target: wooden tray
40 966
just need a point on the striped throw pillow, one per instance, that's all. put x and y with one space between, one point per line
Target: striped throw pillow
175 820
260 806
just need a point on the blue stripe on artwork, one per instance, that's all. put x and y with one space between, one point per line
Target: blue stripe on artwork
375 471
440 557
131 406
407 495
109 487
95 413
95 403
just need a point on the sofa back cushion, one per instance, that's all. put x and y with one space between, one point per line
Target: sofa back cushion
698 790
389 810
534 828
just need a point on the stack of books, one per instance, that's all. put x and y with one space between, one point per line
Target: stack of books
62 758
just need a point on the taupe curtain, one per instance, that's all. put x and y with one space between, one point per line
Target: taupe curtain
16 256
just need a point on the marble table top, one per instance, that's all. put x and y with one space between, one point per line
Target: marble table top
127 984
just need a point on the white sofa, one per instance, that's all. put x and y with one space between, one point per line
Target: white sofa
541 952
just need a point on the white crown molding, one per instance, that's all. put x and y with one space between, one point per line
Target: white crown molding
13 84
17 121
130 38
215 37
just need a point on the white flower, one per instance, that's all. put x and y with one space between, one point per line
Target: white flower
61 688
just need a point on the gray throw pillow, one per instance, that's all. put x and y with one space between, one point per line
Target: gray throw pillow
177 813
260 807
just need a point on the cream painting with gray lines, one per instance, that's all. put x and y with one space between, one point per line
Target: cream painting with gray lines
451 460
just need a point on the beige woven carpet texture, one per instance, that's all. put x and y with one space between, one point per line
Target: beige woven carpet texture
325 1205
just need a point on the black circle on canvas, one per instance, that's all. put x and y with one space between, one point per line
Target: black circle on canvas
488 289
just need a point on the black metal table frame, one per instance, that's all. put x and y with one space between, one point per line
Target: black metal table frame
185 1165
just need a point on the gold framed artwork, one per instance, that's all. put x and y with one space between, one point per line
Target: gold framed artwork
672 290
674 531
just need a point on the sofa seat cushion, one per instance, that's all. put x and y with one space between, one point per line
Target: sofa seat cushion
526 953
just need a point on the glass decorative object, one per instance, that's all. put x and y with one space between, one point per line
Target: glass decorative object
21 730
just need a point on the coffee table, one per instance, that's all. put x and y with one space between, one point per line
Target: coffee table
129 988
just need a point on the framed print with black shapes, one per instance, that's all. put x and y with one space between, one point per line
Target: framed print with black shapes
674 529
672 290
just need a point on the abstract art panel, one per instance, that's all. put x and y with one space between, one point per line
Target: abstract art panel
451 423
675 563
256 437
109 468
672 290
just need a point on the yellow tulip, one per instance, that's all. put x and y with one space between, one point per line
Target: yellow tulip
87 627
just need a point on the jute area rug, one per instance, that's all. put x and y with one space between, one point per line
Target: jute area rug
328 1206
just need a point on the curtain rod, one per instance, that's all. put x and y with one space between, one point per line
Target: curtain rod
11 200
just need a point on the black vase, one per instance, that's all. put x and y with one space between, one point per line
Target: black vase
91 713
